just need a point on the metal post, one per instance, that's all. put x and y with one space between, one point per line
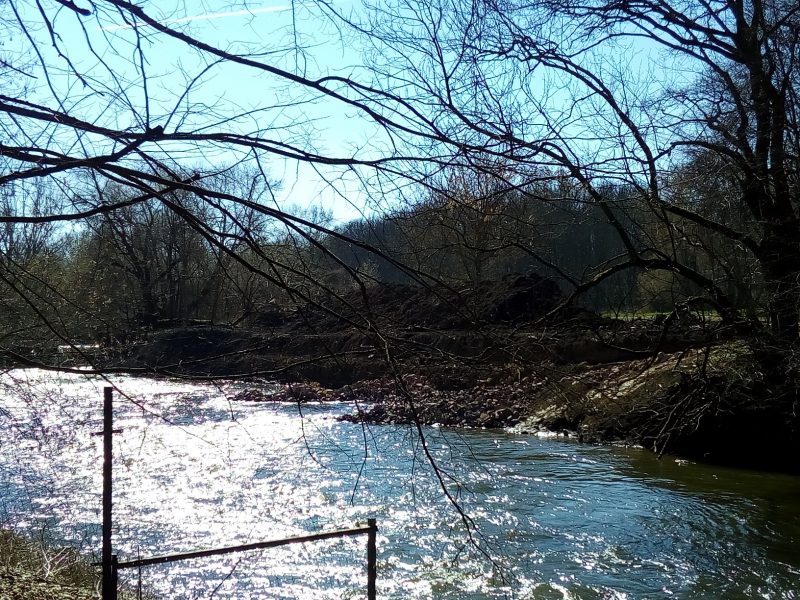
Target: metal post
114 575
109 560
372 559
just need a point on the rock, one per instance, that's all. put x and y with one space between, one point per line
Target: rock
251 395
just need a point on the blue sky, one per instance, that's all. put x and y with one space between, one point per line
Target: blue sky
297 37
288 35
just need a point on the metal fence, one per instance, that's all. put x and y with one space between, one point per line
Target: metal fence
112 565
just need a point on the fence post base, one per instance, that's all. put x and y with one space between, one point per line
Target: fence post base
372 559
114 577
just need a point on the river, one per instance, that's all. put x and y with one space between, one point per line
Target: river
548 518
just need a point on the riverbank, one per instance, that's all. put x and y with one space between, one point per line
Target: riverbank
686 386
494 356
711 403
33 571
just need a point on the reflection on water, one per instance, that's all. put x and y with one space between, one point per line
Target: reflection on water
559 520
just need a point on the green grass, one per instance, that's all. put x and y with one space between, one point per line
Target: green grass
632 315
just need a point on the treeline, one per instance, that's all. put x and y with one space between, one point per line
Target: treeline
477 227
178 258
182 258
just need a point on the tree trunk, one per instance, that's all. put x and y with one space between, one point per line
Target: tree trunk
780 259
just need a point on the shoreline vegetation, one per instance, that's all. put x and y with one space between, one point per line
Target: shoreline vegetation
34 569
499 356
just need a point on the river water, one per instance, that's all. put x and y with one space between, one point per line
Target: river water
544 518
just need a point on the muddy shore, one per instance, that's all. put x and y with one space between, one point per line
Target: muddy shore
493 357
698 396
697 403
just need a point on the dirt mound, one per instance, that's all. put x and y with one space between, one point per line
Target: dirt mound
511 299
187 344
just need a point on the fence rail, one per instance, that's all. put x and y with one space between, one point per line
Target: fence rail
111 565
328 535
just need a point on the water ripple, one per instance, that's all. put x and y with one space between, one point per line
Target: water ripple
557 519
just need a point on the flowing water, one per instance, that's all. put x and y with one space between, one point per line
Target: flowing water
547 518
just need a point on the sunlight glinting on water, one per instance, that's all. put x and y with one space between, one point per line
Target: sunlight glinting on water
194 470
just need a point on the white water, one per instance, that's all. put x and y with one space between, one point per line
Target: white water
195 470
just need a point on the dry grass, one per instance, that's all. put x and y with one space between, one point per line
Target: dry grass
34 571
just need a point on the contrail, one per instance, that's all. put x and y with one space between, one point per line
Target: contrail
208 17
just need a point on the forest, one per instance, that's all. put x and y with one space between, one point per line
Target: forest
643 157
112 276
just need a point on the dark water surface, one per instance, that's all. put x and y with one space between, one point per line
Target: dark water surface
552 519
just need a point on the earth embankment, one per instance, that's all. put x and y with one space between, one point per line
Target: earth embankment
496 356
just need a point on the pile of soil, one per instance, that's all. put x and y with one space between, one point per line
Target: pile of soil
511 299
342 339
482 357
339 356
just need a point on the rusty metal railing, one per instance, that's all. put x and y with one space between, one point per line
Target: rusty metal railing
111 565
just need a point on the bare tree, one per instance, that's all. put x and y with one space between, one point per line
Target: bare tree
113 98
625 93
552 101
117 102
